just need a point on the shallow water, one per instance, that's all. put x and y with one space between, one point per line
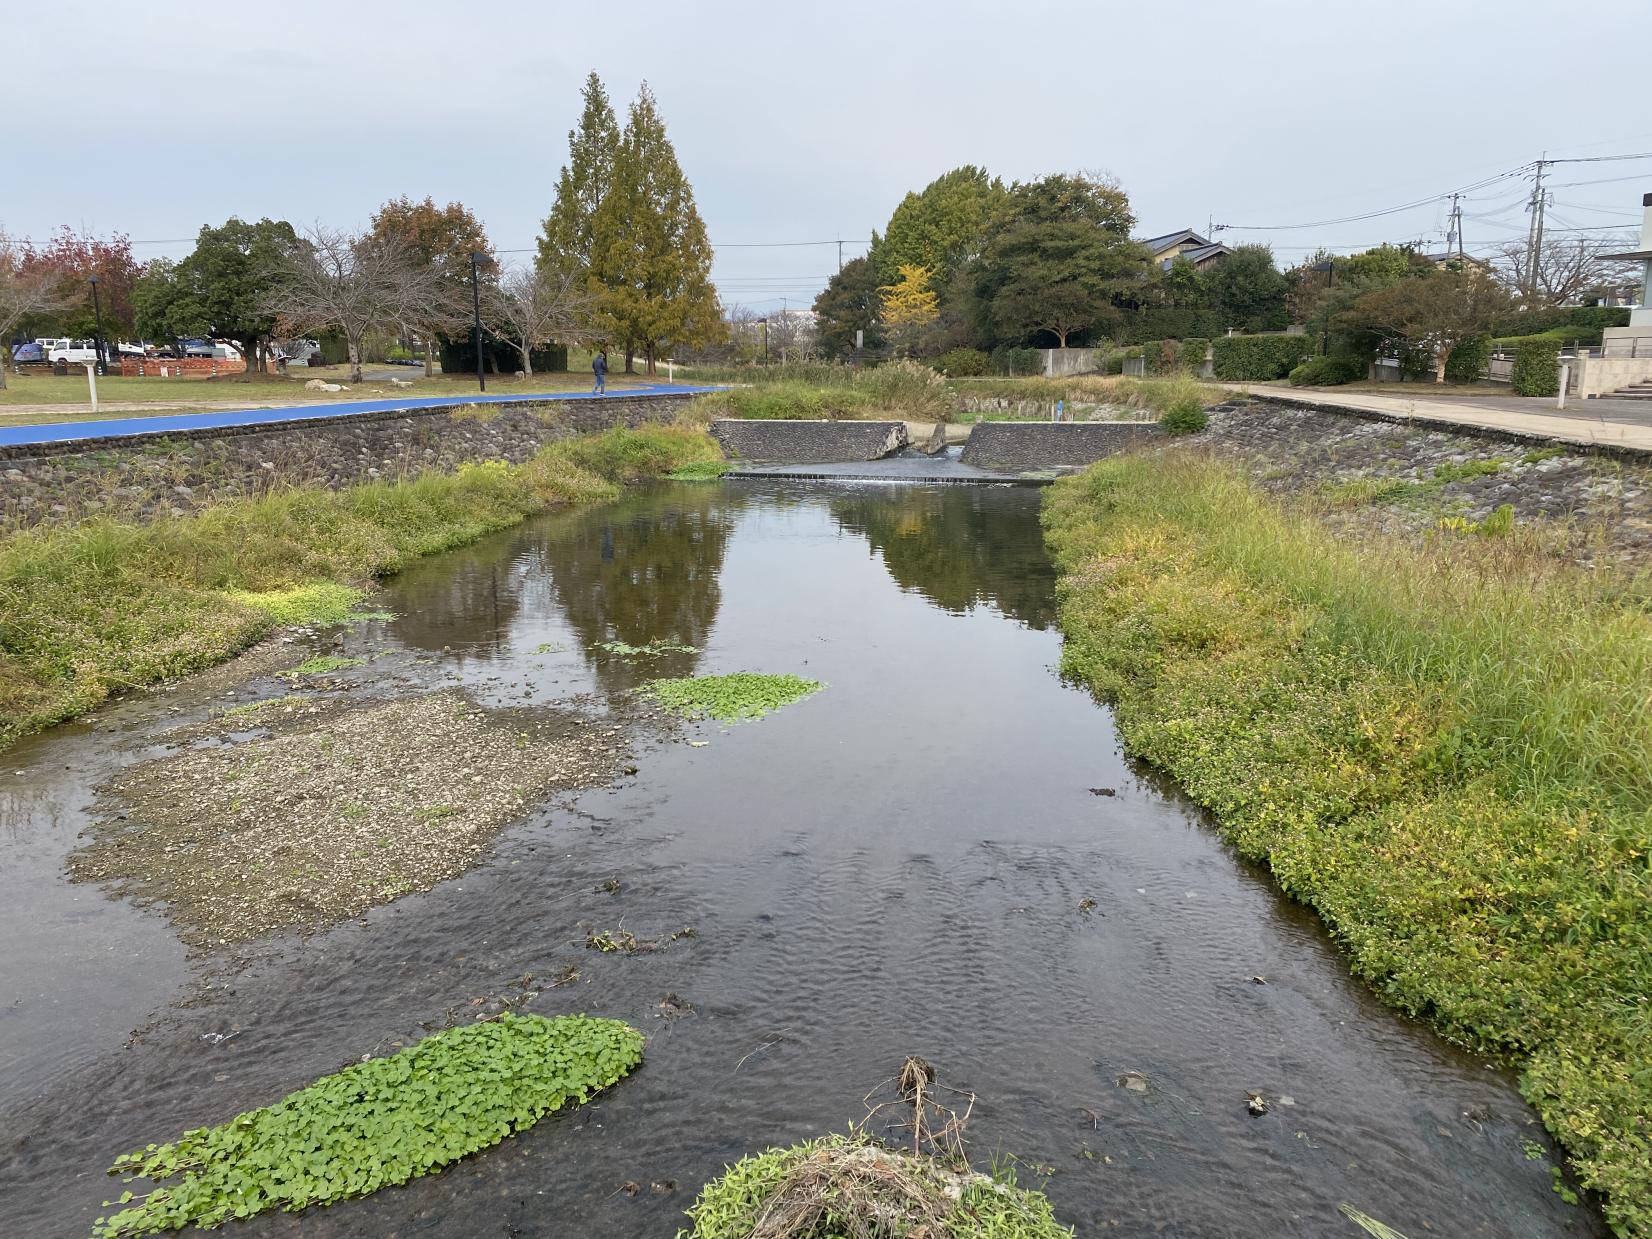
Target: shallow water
893 866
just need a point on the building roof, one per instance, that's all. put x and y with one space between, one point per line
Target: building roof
1159 244
1197 254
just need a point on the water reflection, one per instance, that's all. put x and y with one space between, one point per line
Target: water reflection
958 546
631 574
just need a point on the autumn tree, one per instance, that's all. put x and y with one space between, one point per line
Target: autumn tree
73 259
440 240
1436 311
909 304
1568 269
26 293
941 227
354 284
567 239
850 302
220 289
537 305
650 259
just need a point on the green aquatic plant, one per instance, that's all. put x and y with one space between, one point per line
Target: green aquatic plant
317 602
855 1186
646 651
730 698
376 1123
322 664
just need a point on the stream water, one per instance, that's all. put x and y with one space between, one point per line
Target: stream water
894 866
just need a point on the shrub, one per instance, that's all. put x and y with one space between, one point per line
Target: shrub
1467 363
1328 371
1257 359
1191 352
1536 367
377 1123
1159 356
1184 417
1113 363
963 363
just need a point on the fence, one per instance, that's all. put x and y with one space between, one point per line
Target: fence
180 367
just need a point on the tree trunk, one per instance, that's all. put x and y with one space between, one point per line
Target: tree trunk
5 360
355 358
630 358
648 354
1060 338
430 354
527 359
1440 359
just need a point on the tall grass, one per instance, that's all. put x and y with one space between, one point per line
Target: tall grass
92 608
904 390
1446 750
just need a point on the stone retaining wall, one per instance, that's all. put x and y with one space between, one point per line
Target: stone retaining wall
1025 446
807 442
1406 477
148 475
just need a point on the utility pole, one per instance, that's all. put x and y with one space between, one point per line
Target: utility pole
1454 230
840 255
476 305
1534 238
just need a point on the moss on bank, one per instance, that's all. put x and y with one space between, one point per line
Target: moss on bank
1444 749
93 608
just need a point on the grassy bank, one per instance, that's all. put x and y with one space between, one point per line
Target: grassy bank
89 609
1446 750
913 392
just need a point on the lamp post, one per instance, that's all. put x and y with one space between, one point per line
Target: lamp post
97 317
765 341
476 305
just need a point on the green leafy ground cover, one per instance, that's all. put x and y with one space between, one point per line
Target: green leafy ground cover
730 698
847 1186
1444 749
376 1123
88 609
652 650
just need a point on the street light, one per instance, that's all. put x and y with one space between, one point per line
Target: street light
97 317
476 304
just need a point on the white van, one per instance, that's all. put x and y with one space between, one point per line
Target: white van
74 352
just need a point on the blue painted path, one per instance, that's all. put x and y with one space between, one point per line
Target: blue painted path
63 432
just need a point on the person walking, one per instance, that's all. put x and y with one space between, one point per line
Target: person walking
599 367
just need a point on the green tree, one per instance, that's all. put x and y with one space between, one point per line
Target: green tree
220 289
439 240
942 227
650 259
566 239
850 302
1062 197
1245 290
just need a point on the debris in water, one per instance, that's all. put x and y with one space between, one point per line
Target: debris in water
1086 905
1104 791
1369 1224
1135 1081
672 1007
1256 1103
1259 980
609 886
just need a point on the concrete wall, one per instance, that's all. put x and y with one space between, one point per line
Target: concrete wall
806 442
156 475
1060 362
1600 376
1051 445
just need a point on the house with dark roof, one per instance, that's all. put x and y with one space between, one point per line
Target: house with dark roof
1198 250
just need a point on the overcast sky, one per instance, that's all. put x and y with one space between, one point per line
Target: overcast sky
808 122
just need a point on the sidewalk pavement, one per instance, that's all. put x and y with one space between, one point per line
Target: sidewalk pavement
1622 425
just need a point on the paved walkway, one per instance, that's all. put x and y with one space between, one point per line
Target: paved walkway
1625 424
173 423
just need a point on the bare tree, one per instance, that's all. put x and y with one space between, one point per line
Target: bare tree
1568 268
25 292
352 282
532 306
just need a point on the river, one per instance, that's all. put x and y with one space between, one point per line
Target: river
904 863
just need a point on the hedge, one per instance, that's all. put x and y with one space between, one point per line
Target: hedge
1191 351
1328 372
1536 367
1256 359
961 363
